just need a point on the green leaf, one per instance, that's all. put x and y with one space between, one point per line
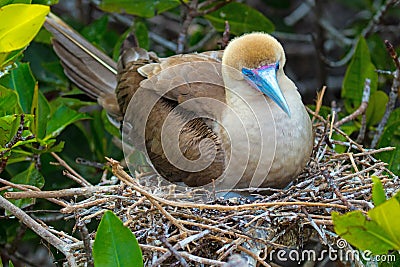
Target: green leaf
8 128
22 81
8 102
360 68
46 67
387 215
7 59
61 118
362 233
41 112
31 176
146 9
142 35
242 18
115 244
45 2
376 110
114 131
378 193
96 30
391 137
394 117
379 55
20 24
8 2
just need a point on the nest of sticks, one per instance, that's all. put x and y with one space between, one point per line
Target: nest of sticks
190 227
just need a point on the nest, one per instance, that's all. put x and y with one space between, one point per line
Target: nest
190 227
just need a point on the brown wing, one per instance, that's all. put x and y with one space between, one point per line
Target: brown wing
166 103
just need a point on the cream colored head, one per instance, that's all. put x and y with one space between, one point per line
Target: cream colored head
253 50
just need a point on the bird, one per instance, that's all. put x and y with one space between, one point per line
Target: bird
230 118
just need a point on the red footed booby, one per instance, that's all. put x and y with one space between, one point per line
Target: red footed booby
230 116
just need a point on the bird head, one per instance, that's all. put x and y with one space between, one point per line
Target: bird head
259 58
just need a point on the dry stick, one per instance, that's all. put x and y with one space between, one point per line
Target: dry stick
202 260
27 187
70 192
174 252
225 36
392 95
254 256
363 129
124 177
72 208
82 180
86 242
318 102
38 229
362 108
315 226
359 147
189 15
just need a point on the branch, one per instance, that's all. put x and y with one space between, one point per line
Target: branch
124 177
17 137
392 95
376 19
362 108
82 181
26 188
225 35
38 229
86 242
70 192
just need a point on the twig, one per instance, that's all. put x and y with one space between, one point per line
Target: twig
376 19
81 180
363 129
87 162
72 208
17 137
394 90
225 35
26 188
193 10
190 13
362 108
174 252
123 176
70 192
335 189
318 102
86 241
38 229
254 256
315 226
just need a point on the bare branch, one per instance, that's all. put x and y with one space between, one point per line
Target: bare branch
362 108
393 95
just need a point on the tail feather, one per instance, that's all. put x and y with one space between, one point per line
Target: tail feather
88 67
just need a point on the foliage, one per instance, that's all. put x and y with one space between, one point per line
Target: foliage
115 244
378 233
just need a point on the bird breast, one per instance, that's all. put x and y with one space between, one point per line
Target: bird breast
264 146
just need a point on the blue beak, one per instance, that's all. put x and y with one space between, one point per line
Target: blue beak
264 79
